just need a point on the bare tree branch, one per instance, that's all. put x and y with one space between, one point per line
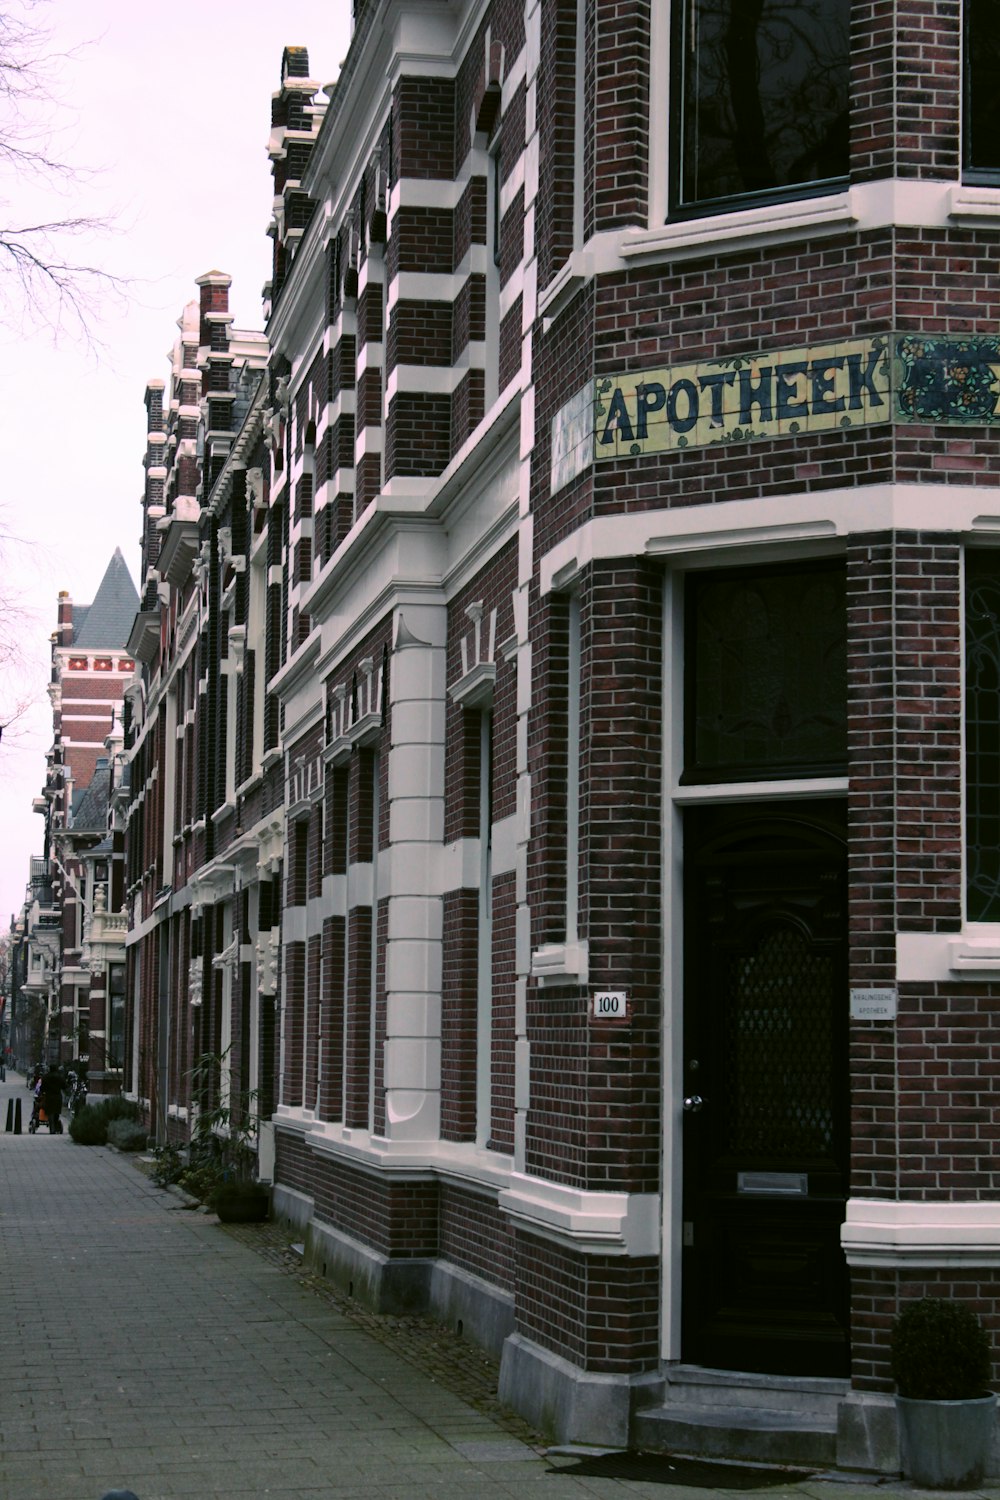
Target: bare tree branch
41 282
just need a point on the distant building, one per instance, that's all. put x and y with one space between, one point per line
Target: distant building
82 863
203 826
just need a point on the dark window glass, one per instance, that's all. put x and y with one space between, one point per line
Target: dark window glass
766 674
982 735
116 1016
982 94
761 98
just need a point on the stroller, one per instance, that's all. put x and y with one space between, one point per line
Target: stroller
41 1116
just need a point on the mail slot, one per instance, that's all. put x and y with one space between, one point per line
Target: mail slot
787 1184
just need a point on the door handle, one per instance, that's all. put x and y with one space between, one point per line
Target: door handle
693 1103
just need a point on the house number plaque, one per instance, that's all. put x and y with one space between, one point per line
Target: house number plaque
609 1005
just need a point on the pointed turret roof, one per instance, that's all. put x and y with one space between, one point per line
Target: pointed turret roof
107 623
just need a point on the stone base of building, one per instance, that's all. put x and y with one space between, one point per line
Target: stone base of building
866 1433
459 1300
568 1404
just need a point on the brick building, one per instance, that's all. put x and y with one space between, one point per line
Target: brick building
82 861
625 662
199 805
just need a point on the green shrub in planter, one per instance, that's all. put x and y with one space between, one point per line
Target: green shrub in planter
940 1352
127 1135
89 1126
947 1416
169 1165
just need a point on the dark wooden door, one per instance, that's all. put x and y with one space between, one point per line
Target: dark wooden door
765 1117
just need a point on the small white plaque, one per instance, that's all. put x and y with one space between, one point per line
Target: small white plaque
874 1004
572 438
609 1005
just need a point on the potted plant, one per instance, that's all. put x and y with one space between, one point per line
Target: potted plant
941 1364
223 1155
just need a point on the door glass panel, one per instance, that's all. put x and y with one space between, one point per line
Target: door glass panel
763 96
781 1049
766 674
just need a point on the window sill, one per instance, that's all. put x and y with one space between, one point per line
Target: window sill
973 953
976 951
975 203
747 225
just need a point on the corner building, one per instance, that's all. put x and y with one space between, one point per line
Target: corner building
638 695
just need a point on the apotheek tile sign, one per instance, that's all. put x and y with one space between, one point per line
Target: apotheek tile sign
778 393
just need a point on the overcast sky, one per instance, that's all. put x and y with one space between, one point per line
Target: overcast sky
171 108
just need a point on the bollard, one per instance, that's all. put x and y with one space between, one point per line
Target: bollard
17 1117
10 1116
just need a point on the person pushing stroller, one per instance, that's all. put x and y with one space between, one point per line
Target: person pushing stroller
48 1101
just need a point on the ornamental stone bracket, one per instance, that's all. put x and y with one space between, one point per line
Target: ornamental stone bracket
474 688
305 783
367 722
212 885
238 647
267 962
255 490
355 718
229 958
271 844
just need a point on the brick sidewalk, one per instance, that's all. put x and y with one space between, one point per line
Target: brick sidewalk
460 1366
148 1346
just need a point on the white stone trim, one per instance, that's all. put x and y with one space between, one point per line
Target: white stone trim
560 963
371 356
429 380
425 286
935 957
588 1222
780 523
887 1232
975 203
421 192
603 1223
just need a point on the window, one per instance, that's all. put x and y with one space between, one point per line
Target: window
494 221
484 1016
116 1016
981 145
766 674
760 91
982 736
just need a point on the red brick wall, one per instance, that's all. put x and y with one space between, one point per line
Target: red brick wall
476 1236
878 1296
398 1219
331 1105
504 980
459 987
600 1312
557 137
292 1024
